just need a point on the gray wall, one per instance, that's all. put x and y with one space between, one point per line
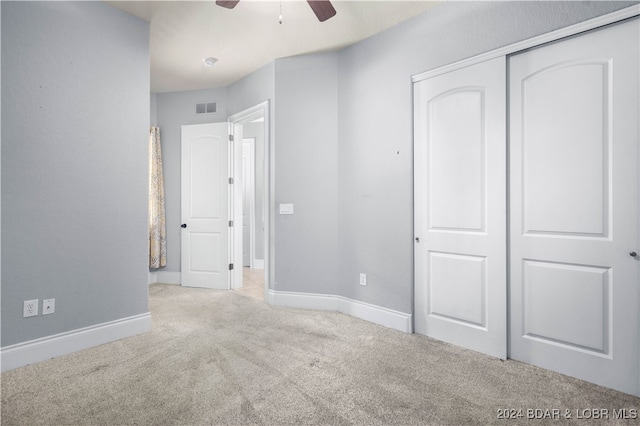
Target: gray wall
154 110
252 90
0 180
75 115
375 129
306 153
175 109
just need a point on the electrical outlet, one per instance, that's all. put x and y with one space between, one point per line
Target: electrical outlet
363 279
48 306
30 308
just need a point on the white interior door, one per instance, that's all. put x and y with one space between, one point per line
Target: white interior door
460 213
574 206
205 206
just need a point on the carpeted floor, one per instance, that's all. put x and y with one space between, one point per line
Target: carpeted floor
221 357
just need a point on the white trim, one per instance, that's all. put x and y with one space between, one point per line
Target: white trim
571 30
33 351
376 314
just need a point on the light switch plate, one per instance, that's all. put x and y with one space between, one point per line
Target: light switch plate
286 208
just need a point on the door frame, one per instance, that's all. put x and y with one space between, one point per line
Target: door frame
248 188
236 121
572 30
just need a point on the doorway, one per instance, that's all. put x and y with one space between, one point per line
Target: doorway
250 129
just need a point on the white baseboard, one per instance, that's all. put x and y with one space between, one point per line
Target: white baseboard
376 314
165 277
38 350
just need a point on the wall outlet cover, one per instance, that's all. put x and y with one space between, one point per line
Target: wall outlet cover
30 308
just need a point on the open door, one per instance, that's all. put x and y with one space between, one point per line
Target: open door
205 206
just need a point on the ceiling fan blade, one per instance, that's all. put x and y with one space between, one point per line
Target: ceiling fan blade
229 4
322 8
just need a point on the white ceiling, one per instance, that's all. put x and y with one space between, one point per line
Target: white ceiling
248 37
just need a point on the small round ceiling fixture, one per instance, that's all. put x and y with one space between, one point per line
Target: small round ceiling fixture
208 62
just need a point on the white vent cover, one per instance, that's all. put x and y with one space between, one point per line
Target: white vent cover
206 108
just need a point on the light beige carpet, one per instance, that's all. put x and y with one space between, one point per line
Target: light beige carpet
221 357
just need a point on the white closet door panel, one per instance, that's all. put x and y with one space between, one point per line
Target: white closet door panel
460 212
573 97
574 206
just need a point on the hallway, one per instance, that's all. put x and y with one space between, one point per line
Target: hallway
253 282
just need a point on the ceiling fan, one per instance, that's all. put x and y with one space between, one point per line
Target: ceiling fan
322 8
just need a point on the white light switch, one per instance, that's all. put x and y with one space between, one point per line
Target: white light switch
286 208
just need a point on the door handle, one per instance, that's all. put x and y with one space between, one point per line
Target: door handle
633 254
417 239
184 225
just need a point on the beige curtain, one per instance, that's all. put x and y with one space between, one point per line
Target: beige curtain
157 228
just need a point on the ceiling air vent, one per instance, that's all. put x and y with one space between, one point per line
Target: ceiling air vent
206 108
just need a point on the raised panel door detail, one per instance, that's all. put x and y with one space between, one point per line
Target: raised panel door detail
457 288
567 304
204 193
205 252
205 165
575 97
460 207
456 160
574 187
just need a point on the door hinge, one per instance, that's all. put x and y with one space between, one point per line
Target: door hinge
230 138
230 224
231 266
230 181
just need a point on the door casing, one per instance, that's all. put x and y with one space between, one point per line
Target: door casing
260 111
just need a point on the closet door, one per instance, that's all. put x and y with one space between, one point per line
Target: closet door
460 212
574 206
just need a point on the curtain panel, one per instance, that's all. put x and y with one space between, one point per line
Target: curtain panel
157 228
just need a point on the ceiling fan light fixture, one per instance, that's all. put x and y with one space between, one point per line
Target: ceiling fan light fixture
208 62
322 8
